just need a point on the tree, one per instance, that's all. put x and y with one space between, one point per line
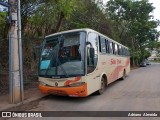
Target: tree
133 23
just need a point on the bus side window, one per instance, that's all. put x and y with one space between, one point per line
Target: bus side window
102 44
128 54
111 47
107 46
125 52
122 51
119 50
116 49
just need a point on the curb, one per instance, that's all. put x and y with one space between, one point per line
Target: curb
10 106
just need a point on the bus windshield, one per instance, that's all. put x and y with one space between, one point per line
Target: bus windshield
63 55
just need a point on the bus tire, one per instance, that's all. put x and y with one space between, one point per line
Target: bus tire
103 86
124 75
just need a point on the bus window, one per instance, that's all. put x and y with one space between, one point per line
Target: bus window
120 50
116 49
107 46
92 52
123 51
102 44
128 52
111 47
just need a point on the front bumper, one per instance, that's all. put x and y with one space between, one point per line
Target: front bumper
78 91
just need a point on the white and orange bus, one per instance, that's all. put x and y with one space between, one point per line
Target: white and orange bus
80 62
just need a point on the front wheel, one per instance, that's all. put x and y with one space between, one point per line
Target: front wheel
101 90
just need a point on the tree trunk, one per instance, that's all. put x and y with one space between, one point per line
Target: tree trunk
60 21
133 60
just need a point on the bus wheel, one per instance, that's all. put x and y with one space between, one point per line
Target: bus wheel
103 85
124 75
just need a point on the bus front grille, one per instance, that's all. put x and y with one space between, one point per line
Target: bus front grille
58 92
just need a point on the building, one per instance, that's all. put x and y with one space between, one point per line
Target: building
154 55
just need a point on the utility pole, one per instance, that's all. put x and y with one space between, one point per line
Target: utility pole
15 53
20 50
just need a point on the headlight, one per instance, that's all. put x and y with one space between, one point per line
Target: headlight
76 84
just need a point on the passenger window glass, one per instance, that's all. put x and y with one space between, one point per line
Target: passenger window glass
102 45
124 51
111 48
107 46
120 50
116 49
127 52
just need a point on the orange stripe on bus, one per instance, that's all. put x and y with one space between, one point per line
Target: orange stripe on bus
72 81
114 75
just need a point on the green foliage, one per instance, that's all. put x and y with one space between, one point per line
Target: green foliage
3 16
146 54
2 27
133 24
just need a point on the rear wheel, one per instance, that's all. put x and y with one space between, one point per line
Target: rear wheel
102 88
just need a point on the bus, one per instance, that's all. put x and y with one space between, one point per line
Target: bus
80 62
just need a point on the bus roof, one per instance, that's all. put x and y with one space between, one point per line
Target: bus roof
87 30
